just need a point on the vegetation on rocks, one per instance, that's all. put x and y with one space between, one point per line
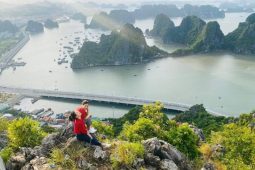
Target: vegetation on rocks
50 24
126 153
202 37
187 32
7 26
128 46
143 138
198 116
34 27
161 24
242 39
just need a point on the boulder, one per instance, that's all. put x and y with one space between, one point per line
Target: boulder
16 162
152 160
99 153
198 132
208 166
138 163
167 164
83 164
159 150
2 166
38 164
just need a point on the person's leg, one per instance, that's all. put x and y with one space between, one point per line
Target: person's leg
84 138
87 139
94 141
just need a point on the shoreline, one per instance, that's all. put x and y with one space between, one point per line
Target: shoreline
9 55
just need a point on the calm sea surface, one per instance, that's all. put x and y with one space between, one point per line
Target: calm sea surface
223 82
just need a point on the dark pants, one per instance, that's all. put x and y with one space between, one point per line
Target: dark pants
87 139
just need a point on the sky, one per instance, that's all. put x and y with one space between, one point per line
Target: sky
119 1
104 1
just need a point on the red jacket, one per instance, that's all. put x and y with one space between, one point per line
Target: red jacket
79 127
84 112
79 124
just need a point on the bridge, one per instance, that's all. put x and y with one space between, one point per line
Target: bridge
95 97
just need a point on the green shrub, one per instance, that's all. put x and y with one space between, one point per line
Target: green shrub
25 132
142 129
239 144
131 116
58 158
184 139
6 153
154 113
198 116
48 129
3 124
103 128
125 153
75 151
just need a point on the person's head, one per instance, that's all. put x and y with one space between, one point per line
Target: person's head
85 103
74 115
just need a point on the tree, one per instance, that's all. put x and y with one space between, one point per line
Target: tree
154 113
239 143
142 129
184 139
25 132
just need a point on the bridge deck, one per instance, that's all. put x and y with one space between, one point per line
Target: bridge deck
94 97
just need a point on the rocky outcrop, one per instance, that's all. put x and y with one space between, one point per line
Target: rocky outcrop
203 38
242 40
38 163
128 46
198 132
7 26
25 155
210 39
186 33
80 17
3 140
161 154
114 20
162 24
50 24
34 27
2 166
208 166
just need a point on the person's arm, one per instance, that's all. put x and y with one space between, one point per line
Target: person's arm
89 135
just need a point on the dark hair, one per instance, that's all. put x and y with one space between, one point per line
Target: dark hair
84 102
72 116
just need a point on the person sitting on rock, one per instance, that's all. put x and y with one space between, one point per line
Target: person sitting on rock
83 109
80 130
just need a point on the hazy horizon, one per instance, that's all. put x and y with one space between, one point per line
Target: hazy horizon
119 2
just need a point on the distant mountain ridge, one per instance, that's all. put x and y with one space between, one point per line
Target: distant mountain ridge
202 37
117 18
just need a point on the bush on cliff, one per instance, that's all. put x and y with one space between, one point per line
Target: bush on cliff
126 153
25 132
